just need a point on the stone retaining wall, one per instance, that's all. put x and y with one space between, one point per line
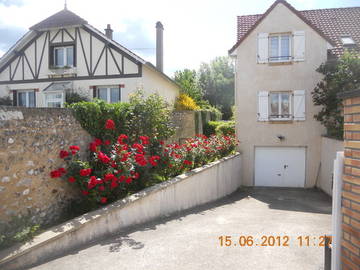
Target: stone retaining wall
30 141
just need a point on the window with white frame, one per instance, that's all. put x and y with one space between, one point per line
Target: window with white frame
54 99
280 105
26 98
64 56
280 48
111 94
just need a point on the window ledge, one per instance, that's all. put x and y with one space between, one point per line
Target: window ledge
282 63
281 121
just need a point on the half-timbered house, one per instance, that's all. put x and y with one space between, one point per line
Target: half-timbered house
64 53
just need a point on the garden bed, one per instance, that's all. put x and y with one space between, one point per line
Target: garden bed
196 187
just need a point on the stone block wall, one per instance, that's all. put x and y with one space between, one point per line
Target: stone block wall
350 255
30 141
184 122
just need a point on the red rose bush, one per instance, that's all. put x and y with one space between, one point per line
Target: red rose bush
118 168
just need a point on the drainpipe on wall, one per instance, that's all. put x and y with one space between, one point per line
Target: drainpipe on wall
159 46
109 32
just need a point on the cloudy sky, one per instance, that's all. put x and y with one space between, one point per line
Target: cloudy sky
195 30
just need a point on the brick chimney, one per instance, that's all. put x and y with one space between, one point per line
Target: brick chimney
159 46
109 32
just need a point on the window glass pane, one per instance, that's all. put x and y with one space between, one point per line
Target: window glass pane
274 105
103 93
114 95
274 46
54 96
285 47
285 105
54 104
31 99
59 56
22 99
70 56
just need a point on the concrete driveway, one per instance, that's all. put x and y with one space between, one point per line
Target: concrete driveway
191 240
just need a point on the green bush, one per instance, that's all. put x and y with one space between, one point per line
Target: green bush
74 97
226 128
210 127
219 128
6 101
138 117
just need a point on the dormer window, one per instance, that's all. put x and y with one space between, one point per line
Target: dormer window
347 40
64 56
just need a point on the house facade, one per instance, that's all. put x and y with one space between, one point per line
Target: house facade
276 55
64 54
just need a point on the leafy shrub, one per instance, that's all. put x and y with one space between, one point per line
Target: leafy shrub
226 128
117 169
210 127
6 101
74 97
184 102
140 116
19 229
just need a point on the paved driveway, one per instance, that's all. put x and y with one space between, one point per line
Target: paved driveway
191 240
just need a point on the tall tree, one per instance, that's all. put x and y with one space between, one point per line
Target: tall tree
189 84
217 82
340 75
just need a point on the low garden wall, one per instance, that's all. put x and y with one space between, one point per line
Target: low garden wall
329 147
197 187
30 141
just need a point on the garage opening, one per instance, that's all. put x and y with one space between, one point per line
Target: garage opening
280 166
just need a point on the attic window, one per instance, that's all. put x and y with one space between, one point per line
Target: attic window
347 40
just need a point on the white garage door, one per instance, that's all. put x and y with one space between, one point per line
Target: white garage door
280 166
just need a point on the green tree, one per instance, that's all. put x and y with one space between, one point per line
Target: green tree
217 82
189 84
340 75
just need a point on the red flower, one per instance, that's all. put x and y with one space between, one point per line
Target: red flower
128 180
109 177
138 147
103 158
113 184
153 160
144 140
85 192
103 200
92 182
110 124
74 147
62 170
162 142
98 142
101 188
121 138
71 179
122 178
187 162
140 159
113 164
125 157
135 175
92 147
55 174
107 142
85 172
63 154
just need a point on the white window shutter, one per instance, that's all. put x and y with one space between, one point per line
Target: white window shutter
263 48
299 46
263 106
299 105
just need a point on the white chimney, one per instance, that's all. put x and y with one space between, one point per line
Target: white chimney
109 32
159 46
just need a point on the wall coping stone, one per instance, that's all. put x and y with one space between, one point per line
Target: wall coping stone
75 224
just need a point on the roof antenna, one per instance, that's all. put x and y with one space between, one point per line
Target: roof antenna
65 5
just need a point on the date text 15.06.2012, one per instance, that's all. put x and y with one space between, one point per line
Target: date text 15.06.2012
273 241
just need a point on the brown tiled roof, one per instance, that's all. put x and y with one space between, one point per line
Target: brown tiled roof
63 18
330 23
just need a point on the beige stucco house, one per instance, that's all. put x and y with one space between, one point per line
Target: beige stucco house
276 56
64 53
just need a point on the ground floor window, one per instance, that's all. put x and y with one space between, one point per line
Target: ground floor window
54 99
26 98
110 94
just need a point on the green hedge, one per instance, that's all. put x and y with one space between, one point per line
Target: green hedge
219 127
